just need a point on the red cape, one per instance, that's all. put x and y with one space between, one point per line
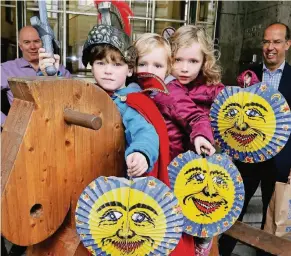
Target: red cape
148 109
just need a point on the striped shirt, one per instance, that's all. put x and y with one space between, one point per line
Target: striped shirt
273 77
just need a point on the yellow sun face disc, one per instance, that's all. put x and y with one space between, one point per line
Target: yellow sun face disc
251 124
116 222
210 192
206 191
117 217
247 121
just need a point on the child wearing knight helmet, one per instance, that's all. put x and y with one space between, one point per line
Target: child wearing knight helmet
108 51
193 86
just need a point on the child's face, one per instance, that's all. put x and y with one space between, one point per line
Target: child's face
188 63
247 79
110 76
154 62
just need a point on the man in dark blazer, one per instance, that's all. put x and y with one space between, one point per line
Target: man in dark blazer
276 72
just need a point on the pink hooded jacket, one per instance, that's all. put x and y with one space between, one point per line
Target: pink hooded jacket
254 78
186 113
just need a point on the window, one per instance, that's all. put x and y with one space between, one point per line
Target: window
72 20
8 31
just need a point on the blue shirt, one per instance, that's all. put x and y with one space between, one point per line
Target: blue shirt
273 77
140 135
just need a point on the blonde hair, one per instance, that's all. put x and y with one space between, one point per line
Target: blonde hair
149 41
185 36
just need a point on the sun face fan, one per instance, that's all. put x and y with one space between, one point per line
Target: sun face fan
116 216
252 124
210 192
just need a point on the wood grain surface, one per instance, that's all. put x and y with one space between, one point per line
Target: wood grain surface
46 163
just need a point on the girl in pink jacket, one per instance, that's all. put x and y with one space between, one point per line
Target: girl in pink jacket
193 87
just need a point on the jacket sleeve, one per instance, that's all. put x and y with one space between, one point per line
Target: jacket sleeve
141 136
64 72
216 89
190 116
5 86
4 77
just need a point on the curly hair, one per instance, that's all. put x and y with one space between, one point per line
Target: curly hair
149 41
185 36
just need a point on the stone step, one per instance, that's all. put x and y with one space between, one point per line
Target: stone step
252 217
254 211
243 250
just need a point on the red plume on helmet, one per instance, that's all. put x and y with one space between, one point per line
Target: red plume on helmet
124 13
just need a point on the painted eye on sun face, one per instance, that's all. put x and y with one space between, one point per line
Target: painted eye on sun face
200 177
219 181
253 113
140 217
232 112
112 215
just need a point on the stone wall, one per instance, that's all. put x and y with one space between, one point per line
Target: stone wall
240 31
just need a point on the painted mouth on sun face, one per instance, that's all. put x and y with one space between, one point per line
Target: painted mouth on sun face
127 247
243 139
205 206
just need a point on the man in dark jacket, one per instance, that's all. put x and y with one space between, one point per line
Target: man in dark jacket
276 72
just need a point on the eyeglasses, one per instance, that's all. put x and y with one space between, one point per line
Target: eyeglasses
266 43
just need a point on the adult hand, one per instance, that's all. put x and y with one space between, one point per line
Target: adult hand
137 164
202 145
47 60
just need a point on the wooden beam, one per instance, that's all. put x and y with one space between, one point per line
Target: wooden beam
82 119
260 239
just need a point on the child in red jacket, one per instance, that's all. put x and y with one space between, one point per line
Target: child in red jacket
192 92
247 78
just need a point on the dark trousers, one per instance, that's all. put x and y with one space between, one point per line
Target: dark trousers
16 250
253 175
3 247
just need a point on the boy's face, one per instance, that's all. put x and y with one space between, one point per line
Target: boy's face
110 76
188 62
154 62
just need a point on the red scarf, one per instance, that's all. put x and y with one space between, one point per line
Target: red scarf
147 108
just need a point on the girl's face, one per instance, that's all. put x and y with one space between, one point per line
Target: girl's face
154 62
188 63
